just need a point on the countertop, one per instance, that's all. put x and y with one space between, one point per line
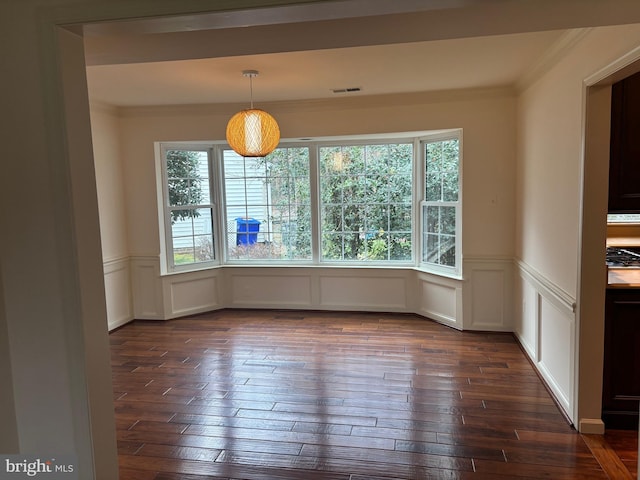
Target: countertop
623 242
623 278
623 236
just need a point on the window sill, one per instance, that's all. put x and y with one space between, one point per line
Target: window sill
439 273
325 266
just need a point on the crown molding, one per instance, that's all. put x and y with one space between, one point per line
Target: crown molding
551 57
346 102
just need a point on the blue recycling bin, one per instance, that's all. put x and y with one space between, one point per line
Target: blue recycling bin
247 231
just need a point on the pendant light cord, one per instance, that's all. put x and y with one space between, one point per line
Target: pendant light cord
251 89
250 74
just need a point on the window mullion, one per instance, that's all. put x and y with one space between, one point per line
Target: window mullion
314 180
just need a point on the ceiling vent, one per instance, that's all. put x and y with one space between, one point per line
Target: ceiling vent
346 90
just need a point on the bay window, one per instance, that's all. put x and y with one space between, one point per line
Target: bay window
368 201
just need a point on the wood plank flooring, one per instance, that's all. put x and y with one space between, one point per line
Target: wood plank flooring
625 444
262 395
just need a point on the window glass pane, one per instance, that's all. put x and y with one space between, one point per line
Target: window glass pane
447 251
187 177
332 245
354 217
366 195
376 246
431 250
352 159
188 186
353 188
400 218
331 161
400 246
351 244
440 246
268 205
433 185
442 184
442 181
192 236
448 220
432 219
450 185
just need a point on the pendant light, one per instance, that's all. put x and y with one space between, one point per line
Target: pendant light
252 132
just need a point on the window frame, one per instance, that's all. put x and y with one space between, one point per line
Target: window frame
218 155
217 191
443 270
389 139
167 258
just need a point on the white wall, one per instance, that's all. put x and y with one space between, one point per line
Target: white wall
105 131
548 241
487 117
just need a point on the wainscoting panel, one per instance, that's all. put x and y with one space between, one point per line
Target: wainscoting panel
147 289
257 288
117 286
546 328
527 327
482 302
192 293
440 299
557 344
488 294
367 290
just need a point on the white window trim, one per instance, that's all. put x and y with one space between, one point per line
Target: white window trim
216 168
443 270
166 244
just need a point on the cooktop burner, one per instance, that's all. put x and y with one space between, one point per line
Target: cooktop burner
623 257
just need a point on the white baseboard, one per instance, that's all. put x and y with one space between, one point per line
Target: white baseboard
591 426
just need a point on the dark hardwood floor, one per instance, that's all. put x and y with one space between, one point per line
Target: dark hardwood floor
625 444
341 396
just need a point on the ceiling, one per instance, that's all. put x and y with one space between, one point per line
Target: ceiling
305 51
379 69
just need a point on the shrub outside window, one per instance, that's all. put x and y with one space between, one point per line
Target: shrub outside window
365 198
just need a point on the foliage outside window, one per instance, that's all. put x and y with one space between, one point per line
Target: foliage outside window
189 209
441 205
365 193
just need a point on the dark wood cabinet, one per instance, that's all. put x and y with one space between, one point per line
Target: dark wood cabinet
624 166
621 379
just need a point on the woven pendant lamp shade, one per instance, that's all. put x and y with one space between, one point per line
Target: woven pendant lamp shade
253 133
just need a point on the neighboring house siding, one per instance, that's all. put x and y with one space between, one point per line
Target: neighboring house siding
246 194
